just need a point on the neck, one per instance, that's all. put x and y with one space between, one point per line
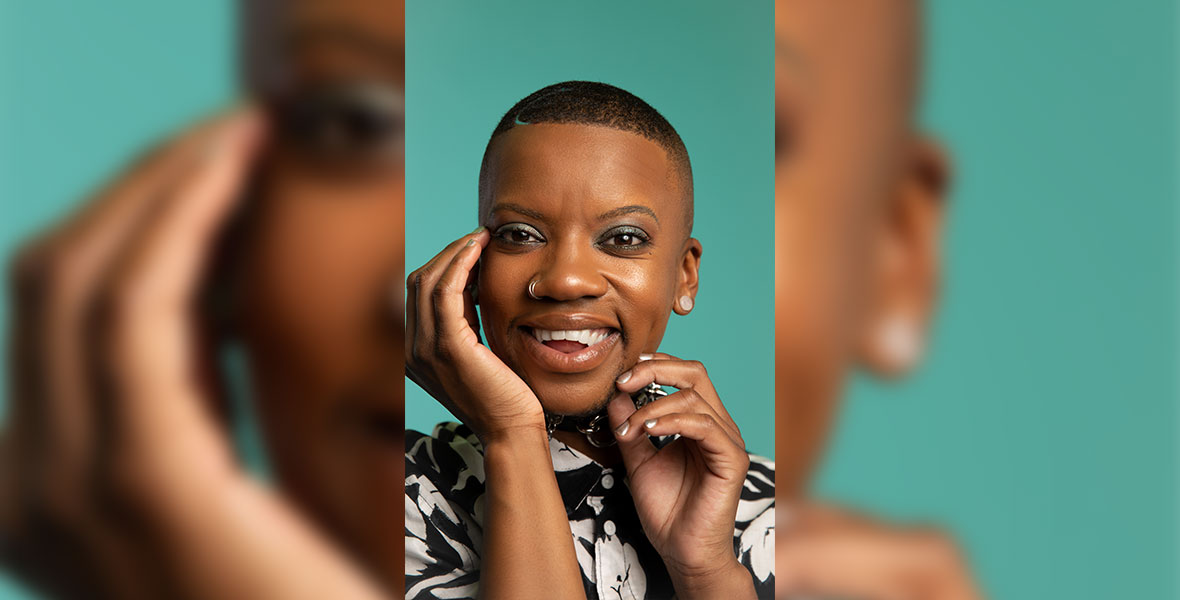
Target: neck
608 456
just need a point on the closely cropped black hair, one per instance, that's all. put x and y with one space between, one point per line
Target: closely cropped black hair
593 103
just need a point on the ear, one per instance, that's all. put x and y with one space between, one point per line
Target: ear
689 279
905 263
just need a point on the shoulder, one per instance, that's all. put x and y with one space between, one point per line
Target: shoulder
445 466
444 501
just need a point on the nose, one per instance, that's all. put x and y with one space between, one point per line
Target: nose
569 273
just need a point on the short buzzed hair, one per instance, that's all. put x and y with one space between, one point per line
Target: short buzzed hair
598 104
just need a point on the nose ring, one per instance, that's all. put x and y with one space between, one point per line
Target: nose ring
532 290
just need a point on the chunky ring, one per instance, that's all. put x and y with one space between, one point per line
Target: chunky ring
532 290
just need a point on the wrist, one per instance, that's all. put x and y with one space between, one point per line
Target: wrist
525 432
728 580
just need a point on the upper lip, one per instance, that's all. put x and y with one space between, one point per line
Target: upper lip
568 321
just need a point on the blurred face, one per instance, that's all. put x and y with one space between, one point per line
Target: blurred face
842 81
323 253
595 217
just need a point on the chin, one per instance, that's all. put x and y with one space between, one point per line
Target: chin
573 398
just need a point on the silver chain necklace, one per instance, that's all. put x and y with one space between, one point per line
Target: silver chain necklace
595 428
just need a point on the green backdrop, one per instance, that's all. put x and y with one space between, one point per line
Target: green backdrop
1042 429
469 62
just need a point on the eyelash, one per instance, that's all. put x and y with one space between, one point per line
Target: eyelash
640 239
504 231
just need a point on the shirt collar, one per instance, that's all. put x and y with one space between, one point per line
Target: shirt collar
577 474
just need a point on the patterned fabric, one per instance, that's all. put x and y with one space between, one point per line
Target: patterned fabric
445 515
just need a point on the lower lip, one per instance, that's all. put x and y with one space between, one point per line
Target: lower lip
583 360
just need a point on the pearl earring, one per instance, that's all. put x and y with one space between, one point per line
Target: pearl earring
899 342
685 303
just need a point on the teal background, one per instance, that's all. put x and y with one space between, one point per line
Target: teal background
84 87
1042 427
467 63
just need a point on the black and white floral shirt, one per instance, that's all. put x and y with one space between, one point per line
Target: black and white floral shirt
445 515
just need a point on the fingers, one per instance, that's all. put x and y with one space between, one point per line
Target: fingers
832 555
668 370
685 414
635 447
54 283
143 338
686 400
451 300
420 312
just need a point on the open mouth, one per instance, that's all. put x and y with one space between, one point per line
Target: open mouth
570 341
570 350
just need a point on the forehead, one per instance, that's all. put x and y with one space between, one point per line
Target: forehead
581 166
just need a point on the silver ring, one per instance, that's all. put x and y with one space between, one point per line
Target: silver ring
532 292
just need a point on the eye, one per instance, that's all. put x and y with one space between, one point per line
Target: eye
625 238
519 234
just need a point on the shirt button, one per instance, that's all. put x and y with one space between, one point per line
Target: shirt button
609 527
608 481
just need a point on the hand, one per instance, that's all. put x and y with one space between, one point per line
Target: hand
443 351
686 493
115 477
829 552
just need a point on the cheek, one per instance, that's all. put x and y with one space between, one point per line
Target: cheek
502 284
645 290
318 277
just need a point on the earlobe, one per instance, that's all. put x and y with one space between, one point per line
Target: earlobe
907 259
897 344
689 278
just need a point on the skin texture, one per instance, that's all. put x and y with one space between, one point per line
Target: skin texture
560 196
555 220
117 479
319 311
857 226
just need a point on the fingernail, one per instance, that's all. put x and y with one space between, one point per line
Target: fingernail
622 430
624 377
645 357
471 242
649 423
477 229
685 303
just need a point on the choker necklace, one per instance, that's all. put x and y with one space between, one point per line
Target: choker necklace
596 428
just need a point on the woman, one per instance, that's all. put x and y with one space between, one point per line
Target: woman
583 251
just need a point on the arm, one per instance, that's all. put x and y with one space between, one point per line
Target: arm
528 549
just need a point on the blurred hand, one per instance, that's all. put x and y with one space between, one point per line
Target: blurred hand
687 492
826 552
443 351
115 477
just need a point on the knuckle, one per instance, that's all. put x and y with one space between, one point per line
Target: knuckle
697 365
441 291
414 280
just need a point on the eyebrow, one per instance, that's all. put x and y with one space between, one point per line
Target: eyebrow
610 214
354 38
627 210
516 208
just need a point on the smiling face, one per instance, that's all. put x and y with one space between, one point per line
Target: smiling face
598 219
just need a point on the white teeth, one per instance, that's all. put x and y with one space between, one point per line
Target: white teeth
588 337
